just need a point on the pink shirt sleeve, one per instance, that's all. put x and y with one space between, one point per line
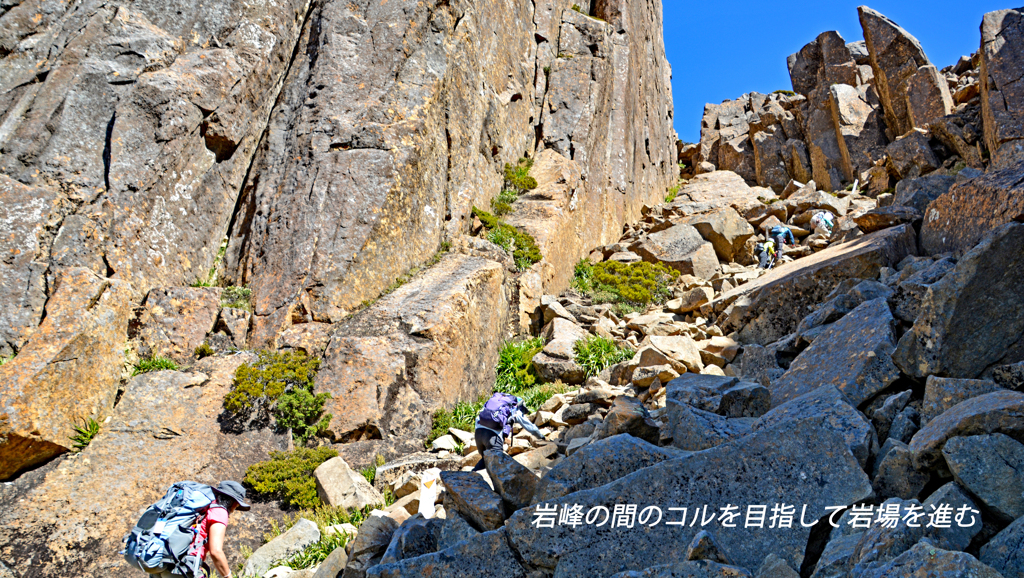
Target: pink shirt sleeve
217 516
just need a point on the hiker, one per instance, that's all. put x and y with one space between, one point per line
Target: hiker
174 535
766 254
494 423
782 235
822 223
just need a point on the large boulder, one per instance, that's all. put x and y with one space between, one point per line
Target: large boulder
486 554
373 539
692 429
299 537
925 559
991 467
859 126
468 494
911 291
974 316
895 58
996 412
802 465
598 463
417 536
68 372
1002 91
175 320
921 191
680 247
725 229
627 415
959 534
863 339
166 428
942 393
1005 551
957 220
770 307
514 482
339 485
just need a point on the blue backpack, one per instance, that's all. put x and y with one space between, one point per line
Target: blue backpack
163 538
499 409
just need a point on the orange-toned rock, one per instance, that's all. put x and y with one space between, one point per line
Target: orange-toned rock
67 372
175 320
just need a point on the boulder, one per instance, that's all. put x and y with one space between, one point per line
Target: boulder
688 569
680 348
895 57
864 338
417 536
905 425
725 229
682 248
175 320
600 462
692 429
691 300
775 567
471 496
513 481
1010 376
996 412
825 405
859 127
1002 101
925 559
1005 551
895 474
942 393
991 467
960 533
883 417
300 536
454 530
775 303
486 554
333 565
959 219
802 464
339 485
911 155
927 97
392 474
235 324
990 273
628 416
911 292
919 192
745 399
68 372
881 543
885 217
704 547
808 199
366 551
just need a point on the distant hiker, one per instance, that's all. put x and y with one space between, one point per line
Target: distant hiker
174 535
822 223
494 423
782 235
766 254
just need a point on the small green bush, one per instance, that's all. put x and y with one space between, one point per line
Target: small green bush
4 359
515 372
302 411
785 92
583 276
638 284
576 7
537 395
155 363
317 552
502 204
288 476
236 297
595 353
84 433
522 245
518 179
370 471
203 350
673 191
462 416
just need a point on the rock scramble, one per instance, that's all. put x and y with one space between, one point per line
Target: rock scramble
299 244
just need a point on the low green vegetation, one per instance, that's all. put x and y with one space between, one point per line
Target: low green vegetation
462 416
370 471
959 166
630 287
515 372
517 178
155 363
595 353
502 204
324 517
520 244
5 358
576 7
210 280
203 350
236 297
281 383
673 191
84 433
785 92
288 476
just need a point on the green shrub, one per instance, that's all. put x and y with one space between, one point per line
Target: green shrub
518 179
576 7
521 244
84 433
785 92
515 372
203 350
288 476
236 297
370 471
324 517
462 416
537 395
302 411
5 358
502 204
317 552
595 353
673 191
638 284
959 166
583 276
155 363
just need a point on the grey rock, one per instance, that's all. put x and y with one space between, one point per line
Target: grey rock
801 464
896 476
371 542
689 569
885 217
628 415
682 248
473 499
919 192
1010 376
304 533
882 543
775 567
333 565
911 291
745 399
1001 100
959 219
937 343
911 155
883 416
598 463
906 424
486 554
512 480
990 467
996 412
455 529
416 536
960 533
865 338
942 393
1005 551
704 547
692 429
927 560
835 560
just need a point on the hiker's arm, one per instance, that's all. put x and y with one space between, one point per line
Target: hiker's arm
216 550
521 420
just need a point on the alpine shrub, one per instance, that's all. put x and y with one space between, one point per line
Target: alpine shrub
155 363
638 284
521 244
595 353
84 433
583 276
515 372
518 179
236 297
288 476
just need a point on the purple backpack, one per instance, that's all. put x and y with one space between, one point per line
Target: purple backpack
499 409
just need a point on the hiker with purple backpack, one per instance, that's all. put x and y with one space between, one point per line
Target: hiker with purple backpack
494 423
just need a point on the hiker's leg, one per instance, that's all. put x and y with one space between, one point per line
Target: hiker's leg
483 440
764 259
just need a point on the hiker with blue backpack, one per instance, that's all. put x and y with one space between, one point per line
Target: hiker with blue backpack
782 235
174 535
494 423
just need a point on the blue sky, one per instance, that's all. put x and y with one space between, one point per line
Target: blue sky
724 48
